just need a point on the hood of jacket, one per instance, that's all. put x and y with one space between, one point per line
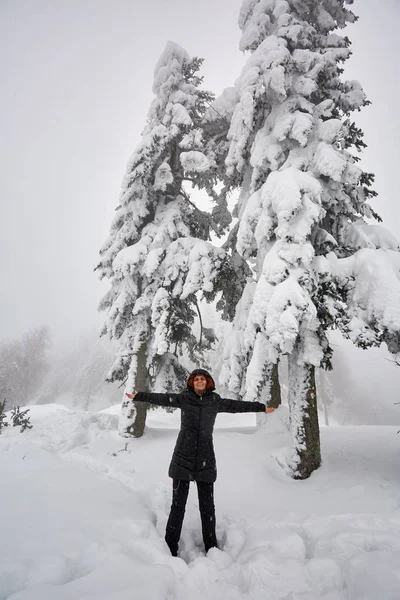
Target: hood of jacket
210 381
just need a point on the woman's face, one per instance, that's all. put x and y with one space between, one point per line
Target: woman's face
199 383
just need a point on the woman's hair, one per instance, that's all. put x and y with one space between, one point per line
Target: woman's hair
210 383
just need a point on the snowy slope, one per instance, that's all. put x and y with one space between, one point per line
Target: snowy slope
81 518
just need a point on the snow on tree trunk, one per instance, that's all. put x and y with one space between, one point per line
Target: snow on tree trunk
275 400
132 420
269 393
306 452
142 382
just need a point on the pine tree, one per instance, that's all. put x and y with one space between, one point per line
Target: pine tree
157 256
19 418
304 208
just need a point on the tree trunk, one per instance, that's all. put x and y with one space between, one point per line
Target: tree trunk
274 390
133 416
275 400
306 455
136 429
271 394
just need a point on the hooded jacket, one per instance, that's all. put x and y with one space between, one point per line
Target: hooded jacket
193 458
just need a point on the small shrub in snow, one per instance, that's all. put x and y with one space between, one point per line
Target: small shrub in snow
19 418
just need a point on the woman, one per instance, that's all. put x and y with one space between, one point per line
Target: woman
193 458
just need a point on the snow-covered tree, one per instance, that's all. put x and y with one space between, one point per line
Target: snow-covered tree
304 209
217 134
157 256
3 419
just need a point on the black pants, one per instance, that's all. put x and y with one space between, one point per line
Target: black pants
180 491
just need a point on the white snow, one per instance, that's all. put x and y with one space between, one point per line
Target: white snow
83 512
163 177
375 294
194 161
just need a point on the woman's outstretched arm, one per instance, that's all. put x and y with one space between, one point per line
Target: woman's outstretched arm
167 400
240 406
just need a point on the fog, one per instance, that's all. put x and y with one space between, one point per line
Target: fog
76 81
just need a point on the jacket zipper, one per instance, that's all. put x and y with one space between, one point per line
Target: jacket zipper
198 436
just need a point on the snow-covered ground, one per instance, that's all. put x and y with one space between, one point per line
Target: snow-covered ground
83 512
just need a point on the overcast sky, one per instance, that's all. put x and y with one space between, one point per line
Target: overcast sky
76 79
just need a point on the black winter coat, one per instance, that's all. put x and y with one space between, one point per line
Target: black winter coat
193 458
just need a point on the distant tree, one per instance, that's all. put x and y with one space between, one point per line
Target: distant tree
77 374
89 389
303 214
3 421
157 256
23 365
10 359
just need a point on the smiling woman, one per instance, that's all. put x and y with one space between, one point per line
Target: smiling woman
193 458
